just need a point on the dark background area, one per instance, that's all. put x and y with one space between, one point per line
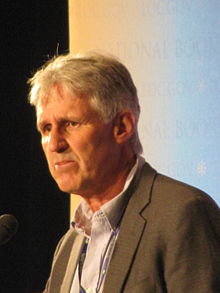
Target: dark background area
31 31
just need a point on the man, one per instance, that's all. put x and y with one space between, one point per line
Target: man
135 231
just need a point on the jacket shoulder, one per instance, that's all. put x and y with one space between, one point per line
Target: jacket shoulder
169 189
172 202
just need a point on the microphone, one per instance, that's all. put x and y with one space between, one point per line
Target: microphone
8 227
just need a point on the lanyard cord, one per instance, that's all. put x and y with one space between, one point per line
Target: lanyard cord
104 261
81 262
106 258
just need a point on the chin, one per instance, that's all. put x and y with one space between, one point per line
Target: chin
64 187
69 185
67 188
64 183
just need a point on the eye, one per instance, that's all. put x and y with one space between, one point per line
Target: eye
45 128
72 124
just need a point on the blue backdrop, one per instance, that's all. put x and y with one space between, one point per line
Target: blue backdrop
192 124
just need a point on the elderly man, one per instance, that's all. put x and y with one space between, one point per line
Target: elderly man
135 231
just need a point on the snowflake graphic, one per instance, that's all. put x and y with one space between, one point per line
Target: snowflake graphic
201 168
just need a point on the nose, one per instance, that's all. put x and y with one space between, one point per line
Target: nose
57 142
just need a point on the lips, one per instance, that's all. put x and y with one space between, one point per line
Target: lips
63 164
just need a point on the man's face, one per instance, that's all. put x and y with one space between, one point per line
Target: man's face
80 148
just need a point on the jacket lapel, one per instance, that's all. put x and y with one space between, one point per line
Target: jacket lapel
131 229
72 263
65 261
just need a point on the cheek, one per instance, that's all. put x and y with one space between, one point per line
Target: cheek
46 153
44 148
45 143
86 151
44 140
82 147
98 150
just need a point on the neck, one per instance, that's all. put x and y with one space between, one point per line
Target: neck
114 187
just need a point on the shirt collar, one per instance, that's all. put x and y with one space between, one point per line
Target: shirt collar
114 208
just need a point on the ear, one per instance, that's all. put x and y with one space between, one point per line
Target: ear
124 126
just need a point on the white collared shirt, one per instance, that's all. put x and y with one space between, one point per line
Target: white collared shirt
101 228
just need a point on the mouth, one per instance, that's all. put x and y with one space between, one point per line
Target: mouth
63 164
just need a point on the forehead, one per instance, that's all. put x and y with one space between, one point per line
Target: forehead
55 93
59 101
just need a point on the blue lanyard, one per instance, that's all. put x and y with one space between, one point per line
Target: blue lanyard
81 262
104 262
106 258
